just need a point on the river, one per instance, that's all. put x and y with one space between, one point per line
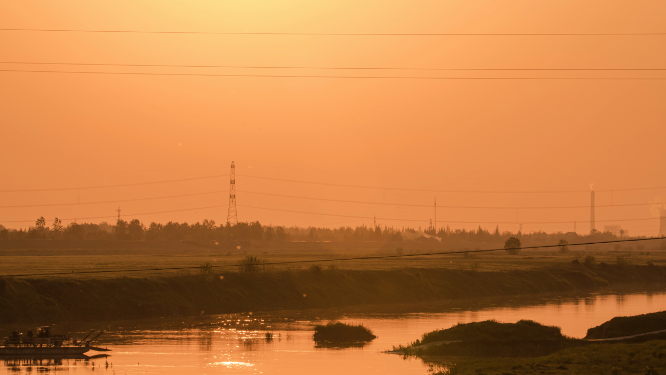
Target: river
237 343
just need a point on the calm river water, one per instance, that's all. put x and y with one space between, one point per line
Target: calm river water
237 344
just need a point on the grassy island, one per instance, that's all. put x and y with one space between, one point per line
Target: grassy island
527 347
342 333
490 338
628 325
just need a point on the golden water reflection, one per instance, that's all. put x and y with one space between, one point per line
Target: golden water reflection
282 342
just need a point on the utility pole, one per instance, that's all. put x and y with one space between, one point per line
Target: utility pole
232 215
118 213
435 216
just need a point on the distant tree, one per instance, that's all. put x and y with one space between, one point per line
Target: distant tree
312 235
121 229
135 230
563 245
40 223
74 231
57 225
512 245
281 234
153 232
269 233
497 232
209 224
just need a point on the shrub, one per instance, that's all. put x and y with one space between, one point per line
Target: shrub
342 333
512 245
249 264
564 246
590 261
206 269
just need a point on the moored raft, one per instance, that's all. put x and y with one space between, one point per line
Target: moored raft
47 344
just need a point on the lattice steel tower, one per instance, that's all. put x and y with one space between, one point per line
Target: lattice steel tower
232 215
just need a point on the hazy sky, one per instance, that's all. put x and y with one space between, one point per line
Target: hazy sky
79 130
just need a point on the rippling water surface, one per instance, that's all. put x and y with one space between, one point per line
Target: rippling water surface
238 344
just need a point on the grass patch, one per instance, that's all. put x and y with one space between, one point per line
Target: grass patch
628 325
490 338
619 358
342 333
493 330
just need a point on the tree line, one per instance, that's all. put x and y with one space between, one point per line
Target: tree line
135 230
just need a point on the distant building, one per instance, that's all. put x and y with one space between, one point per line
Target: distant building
616 230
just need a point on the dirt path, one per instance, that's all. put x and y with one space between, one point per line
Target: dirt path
627 337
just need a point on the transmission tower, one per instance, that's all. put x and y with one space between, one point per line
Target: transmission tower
232 215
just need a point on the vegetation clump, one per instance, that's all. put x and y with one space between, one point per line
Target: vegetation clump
512 245
494 330
342 333
628 325
250 264
490 338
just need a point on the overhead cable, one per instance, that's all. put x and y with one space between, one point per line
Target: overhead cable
442 206
449 191
328 260
345 77
166 32
113 186
321 67
116 200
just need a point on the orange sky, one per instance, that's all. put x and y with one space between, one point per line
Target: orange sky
69 130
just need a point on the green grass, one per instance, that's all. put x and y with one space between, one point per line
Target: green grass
336 332
628 325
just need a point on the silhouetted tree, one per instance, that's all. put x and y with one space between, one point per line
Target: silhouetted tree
564 246
57 225
121 229
512 245
135 230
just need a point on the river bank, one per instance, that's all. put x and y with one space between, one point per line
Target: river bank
68 299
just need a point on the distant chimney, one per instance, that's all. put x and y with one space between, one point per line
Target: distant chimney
592 218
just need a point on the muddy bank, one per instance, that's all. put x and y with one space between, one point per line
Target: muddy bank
51 300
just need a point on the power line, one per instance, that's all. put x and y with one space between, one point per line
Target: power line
450 191
116 200
346 77
328 260
323 34
345 216
324 200
441 206
131 215
113 186
324 68
444 221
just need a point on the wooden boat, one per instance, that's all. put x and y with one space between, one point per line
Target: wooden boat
47 344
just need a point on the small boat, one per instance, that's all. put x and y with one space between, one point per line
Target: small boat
47 344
